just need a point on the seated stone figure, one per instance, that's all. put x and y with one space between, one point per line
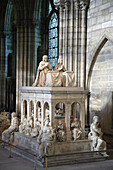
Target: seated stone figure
77 131
46 136
60 132
96 136
23 124
44 66
29 126
36 129
7 134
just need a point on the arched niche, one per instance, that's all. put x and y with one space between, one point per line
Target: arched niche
46 110
25 108
60 109
59 114
38 111
75 110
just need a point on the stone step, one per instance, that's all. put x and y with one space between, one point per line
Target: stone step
73 159
58 159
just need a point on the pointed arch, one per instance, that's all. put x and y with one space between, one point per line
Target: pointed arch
8 17
95 53
37 11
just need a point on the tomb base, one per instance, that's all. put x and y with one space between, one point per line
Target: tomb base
57 149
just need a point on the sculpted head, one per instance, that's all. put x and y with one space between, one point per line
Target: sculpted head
95 119
45 58
14 114
60 61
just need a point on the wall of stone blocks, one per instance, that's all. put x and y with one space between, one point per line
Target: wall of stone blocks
100 61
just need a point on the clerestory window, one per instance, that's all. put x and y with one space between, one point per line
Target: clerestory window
53 34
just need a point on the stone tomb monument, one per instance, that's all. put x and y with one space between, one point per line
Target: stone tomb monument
53 113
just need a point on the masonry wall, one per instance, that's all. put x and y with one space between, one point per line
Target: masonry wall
100 61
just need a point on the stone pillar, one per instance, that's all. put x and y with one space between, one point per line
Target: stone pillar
82 116
76 22
66 32
2 70
42 109
22 109
28 109
35 116
25 70
83 45
71 37
67 121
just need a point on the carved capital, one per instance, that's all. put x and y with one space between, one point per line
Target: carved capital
67 2
76 4
59 3
83 5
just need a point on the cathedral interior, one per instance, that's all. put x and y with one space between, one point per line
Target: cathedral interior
79 31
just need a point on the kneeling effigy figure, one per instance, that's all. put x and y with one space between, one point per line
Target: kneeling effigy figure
46 136
23 124
7 135
77 131
96 136
29 126
60 133
36 129
44 66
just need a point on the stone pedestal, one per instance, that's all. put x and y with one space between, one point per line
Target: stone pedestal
56 148
49 99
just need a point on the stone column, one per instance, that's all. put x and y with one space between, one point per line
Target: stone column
67 121
2 70
76 20
82 116
25 70
52 112
28 110
42 109
22 109
83 45
35 112
66 32
71 37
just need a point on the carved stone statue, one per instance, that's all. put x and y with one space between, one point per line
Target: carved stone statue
46 136
23 124
60 132
7 134
96 136
60 67
29 126
77 131
59 109
36 129
44 66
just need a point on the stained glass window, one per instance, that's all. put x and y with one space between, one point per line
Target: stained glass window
53 39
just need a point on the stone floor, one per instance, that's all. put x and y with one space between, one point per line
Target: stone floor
19 163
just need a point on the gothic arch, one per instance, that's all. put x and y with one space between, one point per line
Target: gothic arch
95 53
8 17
